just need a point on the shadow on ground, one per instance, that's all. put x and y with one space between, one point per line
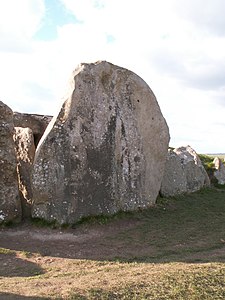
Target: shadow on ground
189 228
13 266
9 296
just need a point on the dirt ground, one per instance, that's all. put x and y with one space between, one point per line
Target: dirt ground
84 242
29 252
177 241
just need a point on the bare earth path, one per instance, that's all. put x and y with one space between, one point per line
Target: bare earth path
89 242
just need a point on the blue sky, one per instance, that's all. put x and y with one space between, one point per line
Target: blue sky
56 15
176 46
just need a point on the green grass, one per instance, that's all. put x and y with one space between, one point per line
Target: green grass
174 250
178 227
182 235
104 219
207 161
6 251
43 223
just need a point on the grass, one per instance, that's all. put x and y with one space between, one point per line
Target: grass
191 283
175 250
207 161
220 155
43 223
6 251
179 226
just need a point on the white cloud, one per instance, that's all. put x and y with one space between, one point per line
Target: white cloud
19 21
20 18
204 15
176 46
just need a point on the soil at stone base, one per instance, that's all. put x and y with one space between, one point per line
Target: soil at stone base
91 241
86 242
175 237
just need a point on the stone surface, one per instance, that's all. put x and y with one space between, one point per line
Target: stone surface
105 151
25 151
174 180
37 123
219 173
184 173
10 208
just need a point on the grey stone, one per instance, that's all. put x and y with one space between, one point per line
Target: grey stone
37 123
25 151
219 173
184 173
106 149
10 207
174 179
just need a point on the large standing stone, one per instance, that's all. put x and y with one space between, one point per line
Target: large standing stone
10 208
219 172
25 150
184 173
106 149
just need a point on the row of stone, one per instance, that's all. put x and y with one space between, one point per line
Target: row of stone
184 172
19 135
105 151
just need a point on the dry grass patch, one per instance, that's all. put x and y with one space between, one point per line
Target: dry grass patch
65 279
175 250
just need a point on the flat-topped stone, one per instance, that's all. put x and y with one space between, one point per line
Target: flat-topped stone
37 123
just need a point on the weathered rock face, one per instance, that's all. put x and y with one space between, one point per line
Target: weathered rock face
174 181
219 174
25 150
106 149
184 173
37 123
10 208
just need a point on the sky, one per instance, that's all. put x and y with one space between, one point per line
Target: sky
176 46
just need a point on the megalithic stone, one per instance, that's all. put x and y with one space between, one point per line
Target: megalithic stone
184 172
10 206
25 151
106 149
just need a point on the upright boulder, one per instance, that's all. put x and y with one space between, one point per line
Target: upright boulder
25 150
10 208
184 173
219 172
106 149
174 180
